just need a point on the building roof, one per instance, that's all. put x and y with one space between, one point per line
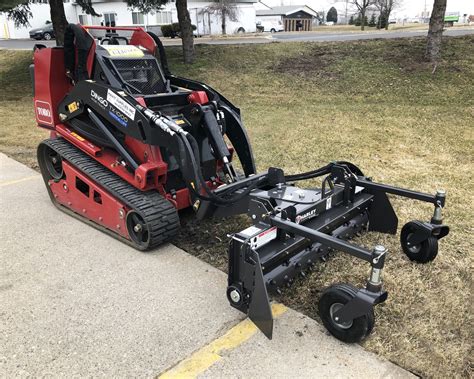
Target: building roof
286 10
233 1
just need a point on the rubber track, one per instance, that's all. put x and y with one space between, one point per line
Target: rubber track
158 213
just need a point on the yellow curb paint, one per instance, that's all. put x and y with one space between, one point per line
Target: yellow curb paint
10 182
205 357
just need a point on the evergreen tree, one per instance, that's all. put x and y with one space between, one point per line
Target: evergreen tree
372 21
332 15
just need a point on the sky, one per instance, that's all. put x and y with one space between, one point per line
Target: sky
409 8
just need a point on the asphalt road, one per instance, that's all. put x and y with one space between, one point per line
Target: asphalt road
318 36
27 44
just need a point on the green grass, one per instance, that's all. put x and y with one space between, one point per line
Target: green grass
375 103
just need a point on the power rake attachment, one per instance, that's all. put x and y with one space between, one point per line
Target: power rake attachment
294 228
131 145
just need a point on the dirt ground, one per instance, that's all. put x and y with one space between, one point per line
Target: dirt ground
375 103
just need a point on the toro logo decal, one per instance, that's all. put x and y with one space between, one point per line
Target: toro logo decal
44 115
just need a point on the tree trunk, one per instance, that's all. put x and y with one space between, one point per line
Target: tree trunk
362 21
223 19
388 12
58 18
186 31
435 32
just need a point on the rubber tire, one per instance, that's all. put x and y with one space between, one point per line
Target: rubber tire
361 326
47 36
428 248
240 30
272 30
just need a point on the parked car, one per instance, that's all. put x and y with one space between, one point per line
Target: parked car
270 26
45 32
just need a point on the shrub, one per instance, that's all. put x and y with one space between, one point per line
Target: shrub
167 30
173 30
382 22
372 21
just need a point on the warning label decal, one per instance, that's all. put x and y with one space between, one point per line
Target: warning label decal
126 51
121 104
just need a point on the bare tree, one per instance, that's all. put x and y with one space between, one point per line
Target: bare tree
385 8
435 32
186 31
19 11
225 9
362 6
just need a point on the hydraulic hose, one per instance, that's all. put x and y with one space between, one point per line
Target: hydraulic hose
193 150
189 161
310 174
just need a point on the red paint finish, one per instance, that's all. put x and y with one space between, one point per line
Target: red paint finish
96 27
198 97
80 194
180 199
148 173
78 140
51 85
152 170
142 38
140 100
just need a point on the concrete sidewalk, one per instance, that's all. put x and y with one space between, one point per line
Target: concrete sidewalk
76 302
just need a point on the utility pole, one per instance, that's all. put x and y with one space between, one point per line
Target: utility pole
345 16
425 16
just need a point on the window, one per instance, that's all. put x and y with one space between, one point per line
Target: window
137 18
109 18
83 19
96 20
163 17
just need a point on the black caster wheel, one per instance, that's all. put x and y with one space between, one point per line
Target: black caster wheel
333 299
423 252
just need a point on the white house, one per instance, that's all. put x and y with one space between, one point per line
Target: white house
292 17
116 10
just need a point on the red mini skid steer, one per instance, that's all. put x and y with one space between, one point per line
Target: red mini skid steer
131 145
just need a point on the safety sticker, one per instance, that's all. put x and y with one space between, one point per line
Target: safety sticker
126 51
329 203
263 238
73 107
77 136
259 237
121 104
